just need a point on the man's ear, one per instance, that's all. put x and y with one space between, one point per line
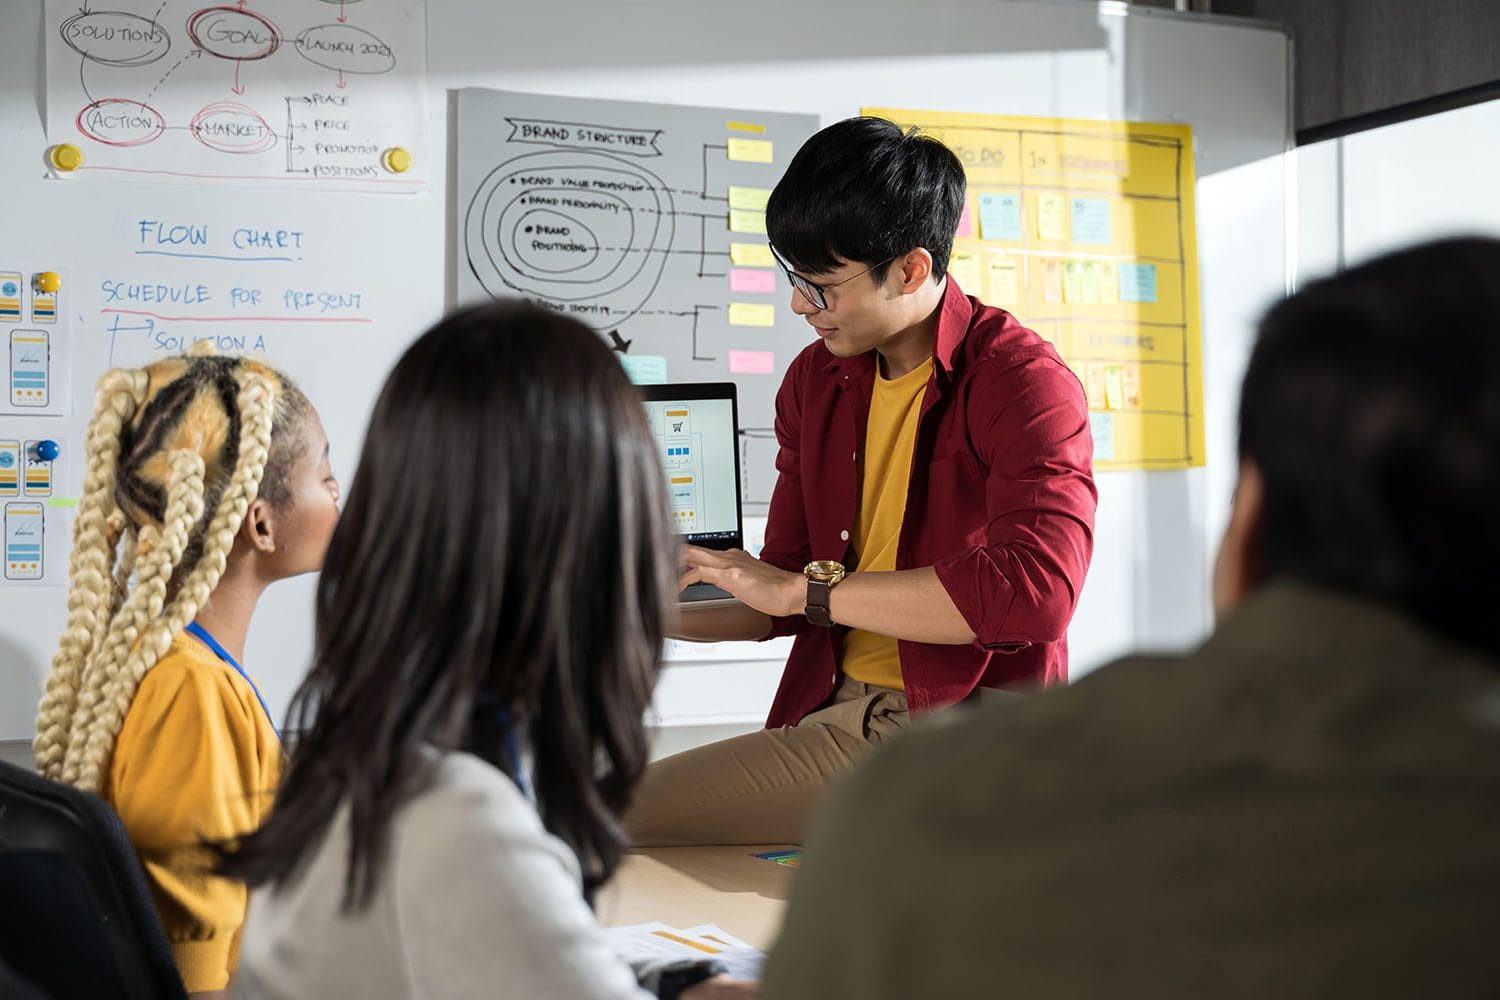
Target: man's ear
916 270
258 530
1237 570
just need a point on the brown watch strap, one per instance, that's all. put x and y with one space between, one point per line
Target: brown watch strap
817 603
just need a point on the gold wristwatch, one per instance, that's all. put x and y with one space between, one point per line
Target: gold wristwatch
821 577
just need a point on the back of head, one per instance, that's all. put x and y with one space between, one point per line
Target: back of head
503 564
176 453
865 190
1371 408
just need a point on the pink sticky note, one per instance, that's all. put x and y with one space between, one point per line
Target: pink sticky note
965 224
751 279
752 363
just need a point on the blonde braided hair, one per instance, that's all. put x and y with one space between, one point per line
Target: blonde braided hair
188 441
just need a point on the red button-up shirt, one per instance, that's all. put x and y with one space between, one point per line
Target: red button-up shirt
1000 502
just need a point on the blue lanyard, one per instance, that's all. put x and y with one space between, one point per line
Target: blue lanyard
201 633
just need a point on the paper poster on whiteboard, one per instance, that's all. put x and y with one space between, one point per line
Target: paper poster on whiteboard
327 94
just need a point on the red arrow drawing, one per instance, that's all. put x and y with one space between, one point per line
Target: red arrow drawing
237 88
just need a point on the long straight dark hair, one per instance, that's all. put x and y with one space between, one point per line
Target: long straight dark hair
504 560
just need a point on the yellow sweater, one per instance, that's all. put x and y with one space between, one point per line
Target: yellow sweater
890 436
197 760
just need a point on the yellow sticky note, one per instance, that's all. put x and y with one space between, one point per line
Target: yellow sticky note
1130 386
749 199
750 150
964 266
1073 282
1005 283
1052 285
745 127
1109 289
752 314
1090 282
1051 217
1114 387
1094 386
741 221
751 255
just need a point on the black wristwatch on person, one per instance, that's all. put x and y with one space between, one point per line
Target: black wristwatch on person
676 978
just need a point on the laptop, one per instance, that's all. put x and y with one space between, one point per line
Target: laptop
697 429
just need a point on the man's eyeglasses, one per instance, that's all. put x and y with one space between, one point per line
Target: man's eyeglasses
812 291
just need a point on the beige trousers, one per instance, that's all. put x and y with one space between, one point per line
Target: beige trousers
762 788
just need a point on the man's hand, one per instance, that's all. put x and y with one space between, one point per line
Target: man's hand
759 585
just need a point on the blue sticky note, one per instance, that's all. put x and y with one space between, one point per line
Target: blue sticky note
1137 282
1091 221
1102 426
999 215
645 369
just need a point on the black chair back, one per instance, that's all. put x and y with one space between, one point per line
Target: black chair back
76 919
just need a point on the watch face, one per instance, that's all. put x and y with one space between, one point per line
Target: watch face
823 569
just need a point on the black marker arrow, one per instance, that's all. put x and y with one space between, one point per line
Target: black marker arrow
620 345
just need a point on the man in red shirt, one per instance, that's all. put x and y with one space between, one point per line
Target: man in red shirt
933 516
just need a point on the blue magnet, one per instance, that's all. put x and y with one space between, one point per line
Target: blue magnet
47 451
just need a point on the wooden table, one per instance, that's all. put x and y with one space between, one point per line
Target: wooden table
686 886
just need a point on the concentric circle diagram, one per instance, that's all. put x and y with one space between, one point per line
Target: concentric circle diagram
587 231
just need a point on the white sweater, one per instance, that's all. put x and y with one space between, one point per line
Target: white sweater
476 899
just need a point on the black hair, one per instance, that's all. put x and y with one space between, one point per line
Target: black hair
1371 407
503 561
865 190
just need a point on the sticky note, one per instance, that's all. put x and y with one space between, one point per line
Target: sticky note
1102 425
751 279
734 126
1137 282
752 363
741 221
1005 282
964 266
999 215
1109 289
1091 282
1114 388
1093 385
1051 217
1073 281
645 369
750 150
752 314
749 199
751 255
1130 386
965 223
1091 221
1052 281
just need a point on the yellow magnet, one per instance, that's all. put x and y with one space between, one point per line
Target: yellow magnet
46 282
65 157
396 160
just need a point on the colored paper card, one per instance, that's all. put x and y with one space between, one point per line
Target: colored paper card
751 279
751 255
1114 388
1091 221
1073 282
752 363
750 199
1102 425
964 266
1091 282
1130 386
1137 282
1052 217
10 296
741 221
999 215
745 127
1005 282
965 223
645 369
752 314
1109 289
1052 282
1093 385
750 150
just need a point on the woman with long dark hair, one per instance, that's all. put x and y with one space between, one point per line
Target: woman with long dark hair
489 622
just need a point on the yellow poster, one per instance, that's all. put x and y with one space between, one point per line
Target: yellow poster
1105 264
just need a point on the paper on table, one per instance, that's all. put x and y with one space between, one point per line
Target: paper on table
644 942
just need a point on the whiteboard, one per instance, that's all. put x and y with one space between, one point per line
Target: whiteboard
378 263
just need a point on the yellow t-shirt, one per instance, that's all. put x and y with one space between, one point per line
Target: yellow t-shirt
196 760
892 431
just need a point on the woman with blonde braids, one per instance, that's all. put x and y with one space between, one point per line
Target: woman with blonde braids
207 480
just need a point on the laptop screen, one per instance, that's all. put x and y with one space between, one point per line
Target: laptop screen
696 428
